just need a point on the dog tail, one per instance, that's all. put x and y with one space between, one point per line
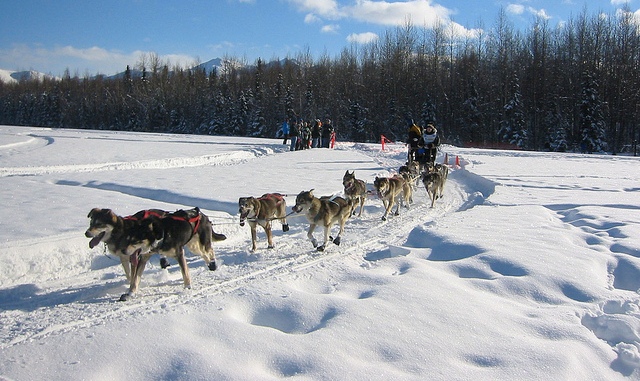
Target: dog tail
217 236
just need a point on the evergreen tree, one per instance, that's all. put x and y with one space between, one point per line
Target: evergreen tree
471 119
513 127
358 123
592 124
556 128
429 112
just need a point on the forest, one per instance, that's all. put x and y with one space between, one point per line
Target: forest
571 87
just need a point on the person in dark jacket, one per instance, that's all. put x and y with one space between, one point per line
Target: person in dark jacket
327 132
293 134
415 142
316 130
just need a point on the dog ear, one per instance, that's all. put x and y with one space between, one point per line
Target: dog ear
94 210
114 217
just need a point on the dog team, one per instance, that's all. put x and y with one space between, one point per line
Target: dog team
134 239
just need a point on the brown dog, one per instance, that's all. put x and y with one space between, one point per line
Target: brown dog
324 211
261 211
391 190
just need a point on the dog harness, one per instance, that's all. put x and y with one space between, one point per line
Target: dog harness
272 196
146 214
194 223
279 198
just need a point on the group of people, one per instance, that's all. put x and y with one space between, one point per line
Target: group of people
304 134
423 143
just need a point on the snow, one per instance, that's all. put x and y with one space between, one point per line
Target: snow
5 76
528 268
8 76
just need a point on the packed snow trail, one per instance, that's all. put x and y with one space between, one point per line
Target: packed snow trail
89 298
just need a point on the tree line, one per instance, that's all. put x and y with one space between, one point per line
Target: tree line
575 86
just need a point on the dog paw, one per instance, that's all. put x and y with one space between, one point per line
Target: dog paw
125 297
271 247
337 240
384 218
320 248
164 263
285 228
213 266
314 242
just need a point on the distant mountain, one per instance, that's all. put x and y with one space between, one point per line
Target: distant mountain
8 76
135 73
216 63
209 66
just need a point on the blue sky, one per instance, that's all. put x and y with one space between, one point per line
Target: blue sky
90 37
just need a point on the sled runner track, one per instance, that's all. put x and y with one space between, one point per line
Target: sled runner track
229 158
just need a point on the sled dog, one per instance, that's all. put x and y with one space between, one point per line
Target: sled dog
324 211
261 211
391 190
411 173
167 236
434 184
437 167
354 190
106 226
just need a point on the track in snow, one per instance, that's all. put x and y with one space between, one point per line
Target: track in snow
91 300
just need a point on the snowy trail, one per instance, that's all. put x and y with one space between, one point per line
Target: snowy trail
528 265
89 298
180 162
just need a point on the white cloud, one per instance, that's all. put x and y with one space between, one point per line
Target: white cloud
324 8
362 38
620 2
539 13
332 28
421 13
91 60
310 18
516 9
519 9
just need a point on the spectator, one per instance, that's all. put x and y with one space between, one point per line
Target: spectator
293 134
305 136
327 132
316 130
285 130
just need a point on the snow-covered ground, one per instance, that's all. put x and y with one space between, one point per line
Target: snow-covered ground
527 269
